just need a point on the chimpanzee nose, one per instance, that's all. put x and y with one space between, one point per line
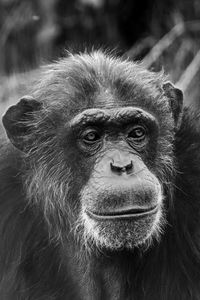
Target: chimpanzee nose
119 169
121 164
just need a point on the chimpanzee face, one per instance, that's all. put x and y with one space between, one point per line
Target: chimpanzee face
98 142
121 203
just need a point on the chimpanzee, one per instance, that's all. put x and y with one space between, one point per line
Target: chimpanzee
100 186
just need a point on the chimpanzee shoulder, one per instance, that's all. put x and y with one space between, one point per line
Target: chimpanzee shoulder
187 149
185 213
25 247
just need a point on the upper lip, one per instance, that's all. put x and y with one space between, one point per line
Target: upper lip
134 212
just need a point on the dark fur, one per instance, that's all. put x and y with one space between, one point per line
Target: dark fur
37 260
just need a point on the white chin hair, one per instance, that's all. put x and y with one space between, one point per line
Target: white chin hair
123 234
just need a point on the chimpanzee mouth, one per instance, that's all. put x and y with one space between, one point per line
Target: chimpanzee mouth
133 213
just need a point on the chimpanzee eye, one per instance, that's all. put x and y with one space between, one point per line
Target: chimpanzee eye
91 136
138 133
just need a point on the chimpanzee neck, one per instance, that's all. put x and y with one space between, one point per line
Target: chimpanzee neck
160 272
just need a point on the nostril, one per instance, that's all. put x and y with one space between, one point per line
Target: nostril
115 168
129 167
121 169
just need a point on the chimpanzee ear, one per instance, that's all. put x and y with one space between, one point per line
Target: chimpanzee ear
16 120
175 97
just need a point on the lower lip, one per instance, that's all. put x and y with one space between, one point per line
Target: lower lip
126 216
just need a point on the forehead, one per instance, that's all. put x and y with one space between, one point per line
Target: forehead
100 81
109 82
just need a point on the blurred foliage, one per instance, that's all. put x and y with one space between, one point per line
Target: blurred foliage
36 31
32 31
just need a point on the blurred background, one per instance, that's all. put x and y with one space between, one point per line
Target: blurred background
161 33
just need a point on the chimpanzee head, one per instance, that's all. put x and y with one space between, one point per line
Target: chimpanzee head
97 142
